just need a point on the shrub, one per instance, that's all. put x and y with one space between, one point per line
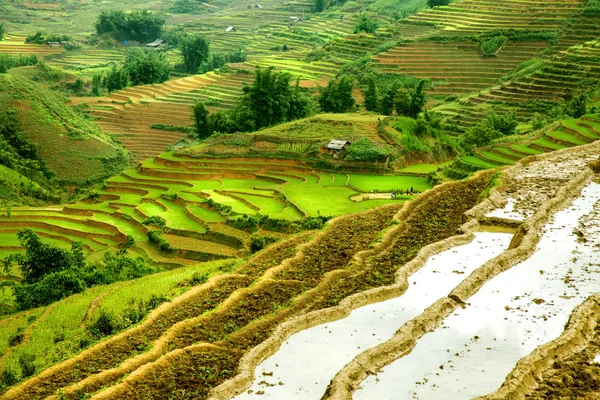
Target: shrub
259 242
146 66
155 220
26 363
195 51
366 150
490 47
16 338
366 24
434 3
337 96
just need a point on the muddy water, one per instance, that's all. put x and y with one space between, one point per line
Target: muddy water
307 361
509 211
528 305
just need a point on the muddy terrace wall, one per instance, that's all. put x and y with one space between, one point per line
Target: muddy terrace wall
258 354
369 362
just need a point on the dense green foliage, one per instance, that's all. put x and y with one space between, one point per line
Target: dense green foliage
51 273
434 3
116 79
187 7
8 61
268 101
41 38
219 60
366 150
195 51
371 95
318 5
366 24
140 25
404 101
146 66
494 126
200 115
1 31
337 96
592 8
491 46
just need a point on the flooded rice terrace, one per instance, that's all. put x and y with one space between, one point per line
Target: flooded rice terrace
308 360
474 349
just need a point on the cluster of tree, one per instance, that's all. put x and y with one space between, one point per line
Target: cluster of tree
434 3
322 5
195 51
491 46
404 101
187 7
366 24
40 38
219 60
140 25
336 97
592 8
51 273
18 152
493 127
8 61
1 31
268 101
141 67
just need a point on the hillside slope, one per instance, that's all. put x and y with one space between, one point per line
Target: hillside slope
72 147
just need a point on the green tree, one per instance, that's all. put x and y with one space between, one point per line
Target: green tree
388 100
371 95
505 124
272 100
318 6
418 99
434 3
479 135
337 96
577 105
1 31
116 79
403 102
140 25
200 116
366 24
146 66
195 50
96 85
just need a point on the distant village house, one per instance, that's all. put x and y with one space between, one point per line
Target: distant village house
338 147
230 29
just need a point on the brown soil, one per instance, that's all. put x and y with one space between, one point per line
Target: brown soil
577 377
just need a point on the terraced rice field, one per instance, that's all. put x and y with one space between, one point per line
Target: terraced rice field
571 132
190 193
129 114
481 15
559 78
16 45
247 305
455 67
260 319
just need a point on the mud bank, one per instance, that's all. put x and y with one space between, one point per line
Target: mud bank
473 349
292 373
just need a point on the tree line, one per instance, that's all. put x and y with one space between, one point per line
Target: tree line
273 99
51 273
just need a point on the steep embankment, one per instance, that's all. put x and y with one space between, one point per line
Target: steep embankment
71 147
